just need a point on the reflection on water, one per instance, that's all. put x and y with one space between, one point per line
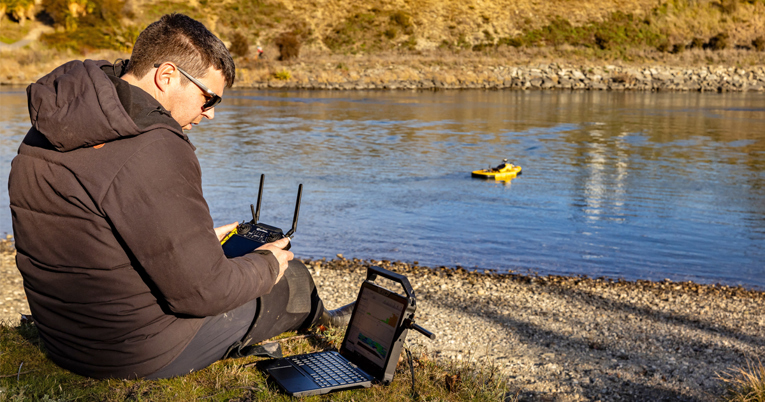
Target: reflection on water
632 185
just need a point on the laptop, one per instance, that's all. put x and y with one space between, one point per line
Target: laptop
369 352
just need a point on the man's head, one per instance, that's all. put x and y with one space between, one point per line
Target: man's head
171 51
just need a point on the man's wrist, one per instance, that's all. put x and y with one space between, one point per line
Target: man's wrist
273 262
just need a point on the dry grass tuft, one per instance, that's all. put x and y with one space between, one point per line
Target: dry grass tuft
745 384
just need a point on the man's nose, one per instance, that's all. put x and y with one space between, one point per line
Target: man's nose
210 113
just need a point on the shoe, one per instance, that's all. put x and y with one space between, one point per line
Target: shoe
339 317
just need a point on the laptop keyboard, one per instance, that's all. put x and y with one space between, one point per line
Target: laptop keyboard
328 369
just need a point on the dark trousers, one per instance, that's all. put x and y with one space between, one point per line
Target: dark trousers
293 304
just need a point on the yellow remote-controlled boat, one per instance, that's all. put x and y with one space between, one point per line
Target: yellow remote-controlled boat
504 171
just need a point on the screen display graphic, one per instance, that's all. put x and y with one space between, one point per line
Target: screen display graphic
373 329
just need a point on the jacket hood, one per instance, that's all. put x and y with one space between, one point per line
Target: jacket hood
84 103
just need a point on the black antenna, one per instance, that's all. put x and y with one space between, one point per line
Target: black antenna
297 212
256 212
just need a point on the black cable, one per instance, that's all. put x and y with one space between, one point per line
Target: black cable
415 396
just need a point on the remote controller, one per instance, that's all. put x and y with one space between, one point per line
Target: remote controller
250 235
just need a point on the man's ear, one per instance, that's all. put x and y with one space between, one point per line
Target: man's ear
164 76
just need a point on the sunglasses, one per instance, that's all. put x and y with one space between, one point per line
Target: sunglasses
212 98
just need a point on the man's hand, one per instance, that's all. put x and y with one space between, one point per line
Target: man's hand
283 256
222 231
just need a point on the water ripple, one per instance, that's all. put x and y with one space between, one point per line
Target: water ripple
629 185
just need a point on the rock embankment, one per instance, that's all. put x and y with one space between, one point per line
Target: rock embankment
538 77
338 73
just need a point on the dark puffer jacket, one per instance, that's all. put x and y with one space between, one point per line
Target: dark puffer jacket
115 241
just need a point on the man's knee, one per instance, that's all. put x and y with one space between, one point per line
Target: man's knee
292 304
301 288
298 268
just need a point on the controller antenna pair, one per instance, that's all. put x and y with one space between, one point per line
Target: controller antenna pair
256 212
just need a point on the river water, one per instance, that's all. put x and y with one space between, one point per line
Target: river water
617 184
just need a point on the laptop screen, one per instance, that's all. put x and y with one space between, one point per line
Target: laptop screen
374 328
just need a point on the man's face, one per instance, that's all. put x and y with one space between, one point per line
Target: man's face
186 101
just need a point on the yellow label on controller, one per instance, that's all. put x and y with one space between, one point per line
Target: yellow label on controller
228 236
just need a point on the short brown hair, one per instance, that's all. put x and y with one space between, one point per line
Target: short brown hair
184 41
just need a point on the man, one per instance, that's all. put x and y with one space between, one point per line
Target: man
123 270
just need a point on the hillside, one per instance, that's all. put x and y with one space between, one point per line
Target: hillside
429 24
372 26
343 35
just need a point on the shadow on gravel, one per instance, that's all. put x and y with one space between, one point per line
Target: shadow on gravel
610 372
690 322
602 382
633 391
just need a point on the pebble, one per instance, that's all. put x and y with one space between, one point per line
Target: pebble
13 302
553 337
575 338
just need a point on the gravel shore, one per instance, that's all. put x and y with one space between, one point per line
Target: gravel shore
13 301
577 339
556 338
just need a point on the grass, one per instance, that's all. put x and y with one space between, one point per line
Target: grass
364 32
612 37
249 14
745 384
97 26
91 38
156 9
11 32
282 75
27 374
367 35
604 32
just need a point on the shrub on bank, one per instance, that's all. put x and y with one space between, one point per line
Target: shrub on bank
759 43
289 46
240 46
718 42
282 75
